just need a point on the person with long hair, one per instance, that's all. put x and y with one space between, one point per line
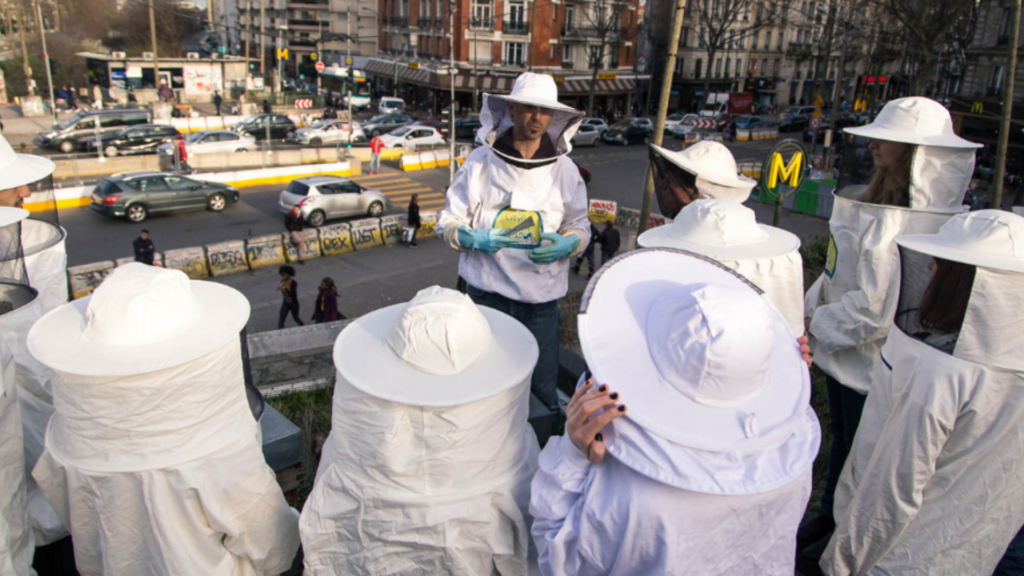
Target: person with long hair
326 307
921 173
289 296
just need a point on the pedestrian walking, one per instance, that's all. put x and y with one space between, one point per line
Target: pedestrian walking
414 218
164 92
72 99
217 101
376 145
266 107
97 97
289 289
293 222
610 243
131 96
326 306
588 254
144 249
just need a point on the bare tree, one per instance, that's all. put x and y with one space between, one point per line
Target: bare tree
723 23
175 23
605 28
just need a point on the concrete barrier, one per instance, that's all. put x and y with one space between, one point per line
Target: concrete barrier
264 251
443 158
410 163
191 261
428 160
158 260
310 245
602 211
227 258
428 220
629 219
336 239
391 228
366 233
87 277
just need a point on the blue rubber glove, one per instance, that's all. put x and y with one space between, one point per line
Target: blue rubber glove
560 247
488 241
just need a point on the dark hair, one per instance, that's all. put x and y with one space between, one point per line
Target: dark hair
608 224
891 185
330 285
415 198
286 269
944 303
144 232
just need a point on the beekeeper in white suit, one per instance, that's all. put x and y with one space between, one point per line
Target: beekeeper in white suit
45 262
17 544
940 493
517 210
153 458
428 465
921 172
714 223
691 450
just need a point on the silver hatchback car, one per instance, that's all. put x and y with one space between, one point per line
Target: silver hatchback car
321 198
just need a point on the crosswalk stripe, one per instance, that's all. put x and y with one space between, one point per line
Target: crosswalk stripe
409 192
401 186
384 182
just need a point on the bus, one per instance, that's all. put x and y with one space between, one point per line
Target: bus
335 78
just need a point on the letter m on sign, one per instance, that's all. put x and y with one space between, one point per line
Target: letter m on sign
790 172
282 53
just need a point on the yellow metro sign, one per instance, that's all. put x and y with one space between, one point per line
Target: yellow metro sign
786 164
282 53
790 172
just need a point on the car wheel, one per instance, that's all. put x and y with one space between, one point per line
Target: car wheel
67 146
216 202
317 218
110 151
625 142
376 209
597 142
647 140
315 142
241 150
136 213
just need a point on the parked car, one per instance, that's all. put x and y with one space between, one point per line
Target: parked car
321 198
748 122
598 123
842 121
645 122
212 142
135 195
794 123
466 126
390 105
797 111
586 135
385 123
409 137
73 133
685 126
141 139
628 131
328 132
256 126
722 120
439 125
672 121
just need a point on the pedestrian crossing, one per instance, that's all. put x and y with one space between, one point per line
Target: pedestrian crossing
399 190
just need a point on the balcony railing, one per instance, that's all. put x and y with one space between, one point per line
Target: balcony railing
304 22
567 64
307 3
425 23
581 32
799 50
515 27
398 21
481 23
513 64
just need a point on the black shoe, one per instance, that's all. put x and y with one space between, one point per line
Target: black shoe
808 558
590 276
813 530
575 270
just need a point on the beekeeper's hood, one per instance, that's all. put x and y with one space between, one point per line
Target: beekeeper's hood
943 162
707 167
993 242
21 169
728 232
717 391
533 90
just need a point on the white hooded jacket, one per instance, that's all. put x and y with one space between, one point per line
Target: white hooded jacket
16 541
490 192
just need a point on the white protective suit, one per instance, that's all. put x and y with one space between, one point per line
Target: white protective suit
851 305
489 192
16 541
163 473
933 484
46 261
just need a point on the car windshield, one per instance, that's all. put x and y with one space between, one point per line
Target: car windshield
69 122
298 188
106 187
196 137
622 124
400 132
379 119
688 121
675 117
321 125
251 120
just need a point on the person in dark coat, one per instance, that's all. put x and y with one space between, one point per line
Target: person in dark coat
326 307
609 243
217 101
414 218
144 249
266 107
293 222
588 253
289 289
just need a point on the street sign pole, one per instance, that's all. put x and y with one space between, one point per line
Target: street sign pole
46 56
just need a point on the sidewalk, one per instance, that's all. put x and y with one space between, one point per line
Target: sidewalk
16 125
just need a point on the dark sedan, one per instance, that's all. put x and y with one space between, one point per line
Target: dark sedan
794 123
136 195
466 126
280 126
627 131
141 139
385 123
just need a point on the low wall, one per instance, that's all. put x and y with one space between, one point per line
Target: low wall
766 133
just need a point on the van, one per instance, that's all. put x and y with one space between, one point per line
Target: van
75 132
391 105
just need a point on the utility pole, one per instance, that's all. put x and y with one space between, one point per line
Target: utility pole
24 51
659 122
840 79
248 34
156 57
263 40
209 13
1004 125
46 57
452 163
348 64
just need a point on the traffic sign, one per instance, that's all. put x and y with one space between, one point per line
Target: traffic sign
414 65
819 102
313 57
320 66
816 113
348 61
815 122
304 103
606 76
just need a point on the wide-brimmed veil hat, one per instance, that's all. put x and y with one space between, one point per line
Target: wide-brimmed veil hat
721 229
21 169
439 349
914 120
986 238
717 390
141 319
715 168
534 90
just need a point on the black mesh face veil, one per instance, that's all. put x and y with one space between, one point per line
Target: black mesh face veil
673 187
15 291
933 298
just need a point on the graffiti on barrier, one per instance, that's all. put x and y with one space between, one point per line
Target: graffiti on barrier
228 258
629 219
83 282
265 254
366 238
193 266
335 245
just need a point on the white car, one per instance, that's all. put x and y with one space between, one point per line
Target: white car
586 135
672 121
391 105
598 123
212 142
328 132
409 137
684 126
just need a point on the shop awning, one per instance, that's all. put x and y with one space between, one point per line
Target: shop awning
604 87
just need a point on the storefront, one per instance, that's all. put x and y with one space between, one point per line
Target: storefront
194 79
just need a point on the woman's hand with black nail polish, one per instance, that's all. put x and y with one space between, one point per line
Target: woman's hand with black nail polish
588 413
